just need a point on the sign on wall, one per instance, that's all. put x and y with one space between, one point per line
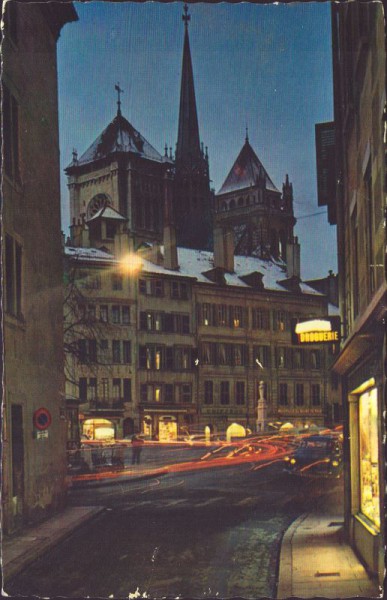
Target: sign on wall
42 419
322 330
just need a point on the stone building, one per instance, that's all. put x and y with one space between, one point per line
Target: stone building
34 427
200 338
359 209
251 206
204 331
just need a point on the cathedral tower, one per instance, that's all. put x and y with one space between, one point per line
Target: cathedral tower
192 194
251 205
120 171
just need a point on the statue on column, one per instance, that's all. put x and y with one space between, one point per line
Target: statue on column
261 420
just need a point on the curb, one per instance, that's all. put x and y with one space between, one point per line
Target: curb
19 563
108 481
284 586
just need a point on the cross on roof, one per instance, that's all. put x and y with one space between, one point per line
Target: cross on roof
119 92
186 17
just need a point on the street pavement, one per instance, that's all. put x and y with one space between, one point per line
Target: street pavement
214 533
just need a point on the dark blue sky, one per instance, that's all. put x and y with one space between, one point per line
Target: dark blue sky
268 66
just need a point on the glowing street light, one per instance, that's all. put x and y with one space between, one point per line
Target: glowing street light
131 263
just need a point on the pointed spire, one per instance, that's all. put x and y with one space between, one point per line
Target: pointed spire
188 143
247 134
119 92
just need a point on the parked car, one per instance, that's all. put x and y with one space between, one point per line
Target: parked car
316 455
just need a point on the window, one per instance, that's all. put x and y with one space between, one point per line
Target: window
92 390
316 400
168 393
298 359
207 353
238 355
240 392
117 282
283 394
260 318
315 359
116 314
143 392
116 390
83 389
222 354
82 351
91 312
179 289
110 230
369 456
282 355
13 276
185 393
103 313
222 314
262 354
125 315
116 349
208 392
206 315
93 351
104 348
10 134
105 389
224 392
126 352
279 320
182 360
151 287
127 390
184 324
299 394
237 317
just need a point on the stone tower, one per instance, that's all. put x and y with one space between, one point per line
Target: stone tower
251 205
122 171
192 194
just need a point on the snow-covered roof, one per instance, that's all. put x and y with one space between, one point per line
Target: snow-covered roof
119 136
108 212
245 172
195 263
91 254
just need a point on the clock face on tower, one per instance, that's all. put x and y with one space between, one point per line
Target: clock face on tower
96 203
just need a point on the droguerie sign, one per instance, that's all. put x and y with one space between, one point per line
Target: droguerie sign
324 330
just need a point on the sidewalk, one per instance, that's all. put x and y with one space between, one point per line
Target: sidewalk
20 550
315 560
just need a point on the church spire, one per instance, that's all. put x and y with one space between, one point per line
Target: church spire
188 143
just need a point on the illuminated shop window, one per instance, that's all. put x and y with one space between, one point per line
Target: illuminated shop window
369 467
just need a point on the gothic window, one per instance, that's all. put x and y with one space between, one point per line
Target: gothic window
232 204
96 203
240 201
224 205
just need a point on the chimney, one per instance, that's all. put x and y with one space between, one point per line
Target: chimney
293 253
224 248
169 230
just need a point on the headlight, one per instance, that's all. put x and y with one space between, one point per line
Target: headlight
292 461
287 458
335 463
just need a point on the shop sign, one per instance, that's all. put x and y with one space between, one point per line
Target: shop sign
41 435
323 330
300 411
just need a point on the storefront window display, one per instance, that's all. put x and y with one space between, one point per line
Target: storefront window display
369 467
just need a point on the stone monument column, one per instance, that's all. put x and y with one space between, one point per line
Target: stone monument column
261 420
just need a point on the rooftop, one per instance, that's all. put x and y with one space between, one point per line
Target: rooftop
245 172
195 263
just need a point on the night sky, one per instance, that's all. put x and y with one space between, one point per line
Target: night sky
267 66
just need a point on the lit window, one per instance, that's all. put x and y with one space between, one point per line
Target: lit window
369 465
